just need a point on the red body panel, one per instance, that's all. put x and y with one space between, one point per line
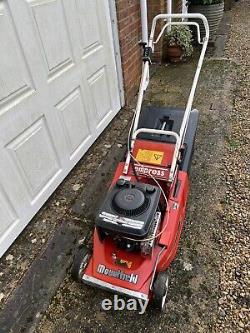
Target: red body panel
142 267
167 149
105 252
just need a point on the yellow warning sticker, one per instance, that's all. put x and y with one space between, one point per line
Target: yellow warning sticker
149 156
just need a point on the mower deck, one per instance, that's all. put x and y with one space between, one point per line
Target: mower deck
126 272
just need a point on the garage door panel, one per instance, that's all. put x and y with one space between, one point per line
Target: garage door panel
58 82
16 194
53 36
35 157
102 89
75 123
89 25
100 94
94 61
8 215
109 57
15 80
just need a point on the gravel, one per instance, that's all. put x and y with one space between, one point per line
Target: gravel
210 280
234 301
194 275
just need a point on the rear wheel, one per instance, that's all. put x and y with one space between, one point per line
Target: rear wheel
160 290
80 262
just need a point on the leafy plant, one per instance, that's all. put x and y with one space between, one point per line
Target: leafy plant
205 2
181 36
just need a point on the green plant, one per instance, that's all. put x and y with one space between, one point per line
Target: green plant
205 2
181 36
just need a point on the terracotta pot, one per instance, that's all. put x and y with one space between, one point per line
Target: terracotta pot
174 53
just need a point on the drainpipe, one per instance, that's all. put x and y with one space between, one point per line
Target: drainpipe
144 21
169 11
184 8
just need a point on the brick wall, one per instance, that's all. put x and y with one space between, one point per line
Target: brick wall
129 25
156 7
177 6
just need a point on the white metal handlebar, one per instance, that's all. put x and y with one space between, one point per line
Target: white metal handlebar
162 132
144 79
177 16
155 131
180 23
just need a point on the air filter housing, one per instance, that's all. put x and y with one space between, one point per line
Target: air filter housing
128 210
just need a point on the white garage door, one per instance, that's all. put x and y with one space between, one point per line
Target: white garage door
58 91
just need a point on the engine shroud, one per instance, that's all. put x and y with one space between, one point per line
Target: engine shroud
128 210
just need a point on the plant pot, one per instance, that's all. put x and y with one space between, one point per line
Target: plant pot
174 53
228 4
213 14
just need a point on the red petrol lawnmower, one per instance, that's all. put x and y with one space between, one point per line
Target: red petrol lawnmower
139 224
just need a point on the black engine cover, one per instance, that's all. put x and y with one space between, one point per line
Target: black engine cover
128 210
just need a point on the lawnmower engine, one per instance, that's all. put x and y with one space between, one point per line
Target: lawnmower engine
129 215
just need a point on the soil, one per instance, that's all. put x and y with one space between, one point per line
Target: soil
192 300
209 279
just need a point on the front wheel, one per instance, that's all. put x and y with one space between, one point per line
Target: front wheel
160 290
80 262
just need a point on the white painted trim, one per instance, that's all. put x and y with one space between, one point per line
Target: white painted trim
116 43
169 11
